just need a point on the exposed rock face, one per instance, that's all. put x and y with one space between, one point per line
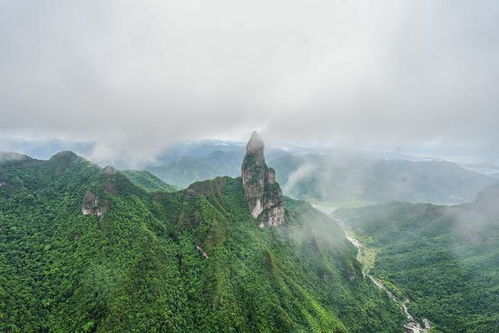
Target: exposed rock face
263 194
92 205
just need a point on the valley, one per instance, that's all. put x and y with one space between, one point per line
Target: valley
412 325
443 258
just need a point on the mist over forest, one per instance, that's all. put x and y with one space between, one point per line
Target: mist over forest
263 166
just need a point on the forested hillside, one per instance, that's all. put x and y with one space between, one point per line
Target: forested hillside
148 181
82 249
444 259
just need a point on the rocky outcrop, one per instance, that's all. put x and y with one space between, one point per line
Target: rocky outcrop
92 205
203 253
261 191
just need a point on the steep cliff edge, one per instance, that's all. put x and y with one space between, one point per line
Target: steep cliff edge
261 191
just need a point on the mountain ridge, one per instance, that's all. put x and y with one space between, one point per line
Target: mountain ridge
334 177
192 260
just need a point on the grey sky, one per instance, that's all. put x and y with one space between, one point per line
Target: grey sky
136 75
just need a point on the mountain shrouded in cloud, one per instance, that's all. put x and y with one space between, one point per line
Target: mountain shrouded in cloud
261 190
130 201
133 78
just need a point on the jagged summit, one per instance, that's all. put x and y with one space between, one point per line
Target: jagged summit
255 144
262 193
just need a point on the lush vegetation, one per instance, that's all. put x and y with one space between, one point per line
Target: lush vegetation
444 259
188 261
148 181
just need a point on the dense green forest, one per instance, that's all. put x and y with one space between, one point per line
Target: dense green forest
444 259
83 249
148 181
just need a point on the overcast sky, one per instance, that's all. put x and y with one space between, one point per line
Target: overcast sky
134 76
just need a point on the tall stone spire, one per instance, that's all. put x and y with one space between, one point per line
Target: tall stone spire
262 193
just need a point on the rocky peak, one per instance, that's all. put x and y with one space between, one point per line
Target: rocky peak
255 144
261 191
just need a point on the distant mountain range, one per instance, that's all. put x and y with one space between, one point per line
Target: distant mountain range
342 178
336 177
183 164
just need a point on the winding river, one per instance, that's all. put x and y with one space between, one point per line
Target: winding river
412 325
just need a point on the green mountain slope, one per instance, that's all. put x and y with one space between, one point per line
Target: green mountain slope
343 178
82 249
444 259
148 181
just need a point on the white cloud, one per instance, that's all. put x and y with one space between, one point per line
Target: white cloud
134 76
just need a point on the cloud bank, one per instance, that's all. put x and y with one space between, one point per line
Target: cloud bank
135 76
